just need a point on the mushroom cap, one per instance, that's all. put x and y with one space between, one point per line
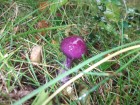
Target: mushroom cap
73 47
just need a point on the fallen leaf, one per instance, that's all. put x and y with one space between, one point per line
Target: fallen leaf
42 24
35 56
43 5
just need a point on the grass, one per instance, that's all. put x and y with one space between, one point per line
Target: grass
115 81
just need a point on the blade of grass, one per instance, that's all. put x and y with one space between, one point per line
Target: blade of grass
69 72
107 78
34 31
89 69
32 71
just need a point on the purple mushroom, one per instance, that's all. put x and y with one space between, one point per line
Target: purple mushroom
73 48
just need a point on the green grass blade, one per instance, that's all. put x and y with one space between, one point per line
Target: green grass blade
69 72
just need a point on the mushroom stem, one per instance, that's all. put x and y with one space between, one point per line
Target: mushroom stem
67 63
